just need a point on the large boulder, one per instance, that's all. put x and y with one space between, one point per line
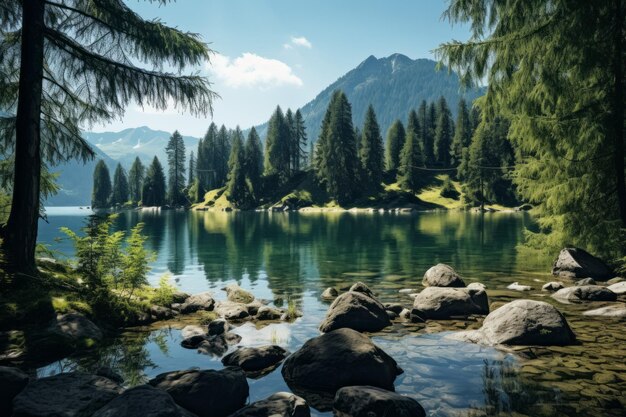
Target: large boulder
362 288
444 303
65 395
254 359
522 322
196 302
218 326
193 330
206 393
585 293
281 404
618 288
217 345
12 382
338 359
442 275
577 263
231 310
143 401
65 334
268 313
236 294
357 311
366 401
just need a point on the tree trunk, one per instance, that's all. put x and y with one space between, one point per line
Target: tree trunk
20 233
618 110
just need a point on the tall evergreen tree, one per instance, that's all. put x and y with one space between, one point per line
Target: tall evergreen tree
411 157
135 180
395 141
205 162
222 154
254 160
557 68
276 159
462 132
337 161
101 194
431 157
237 187
301 154
153 190
176 173
191 178
292 154
70 63
443 133
426 122
371 150
120 186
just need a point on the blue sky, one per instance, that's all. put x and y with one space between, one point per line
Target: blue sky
285 52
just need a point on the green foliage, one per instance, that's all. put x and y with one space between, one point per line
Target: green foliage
555 68
448 190
163 295
238 189
120 187
192 170
135 180
277 146
176 173
443 133
462 133
371 151
395 141
300 152
153 191
101 195
135 260
254 160
411 157
426 122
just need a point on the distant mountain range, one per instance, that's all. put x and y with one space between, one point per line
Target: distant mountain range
393 85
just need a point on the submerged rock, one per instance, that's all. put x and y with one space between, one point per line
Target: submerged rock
617 311
552 286
206 393
236 294
518 287
12 382
618 288
444 303
192 330
442 275
330 293
196 302
254 359
338 359
585 293
577 263
281 404
65 395
269 313
218 345
522 322
217 327
143 401
357 311
367 401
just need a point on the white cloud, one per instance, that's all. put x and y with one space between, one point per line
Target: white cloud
251 70
298 41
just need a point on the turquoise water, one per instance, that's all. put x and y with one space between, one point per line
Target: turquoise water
295 256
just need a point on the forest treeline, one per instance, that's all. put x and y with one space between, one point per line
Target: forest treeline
349 162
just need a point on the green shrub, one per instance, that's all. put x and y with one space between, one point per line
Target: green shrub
163 295
448 190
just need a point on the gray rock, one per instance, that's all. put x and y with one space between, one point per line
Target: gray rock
518 287
405 314
356 311
615 280
193 342
585 281
395 307
193 330
408 291
269 313
577 263
366 401
476 286
391 315
444 303
552 286
585 293
253 359
338 359
161 313
330 293
230 310
143 401
65 395
618 288
179 297
442 275
236 294
218 345
281 404
616 311
218 326
253 307
206 393
202 301
109 373
12 382
76 327
522 322
362 288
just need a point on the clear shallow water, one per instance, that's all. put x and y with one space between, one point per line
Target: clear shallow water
280 256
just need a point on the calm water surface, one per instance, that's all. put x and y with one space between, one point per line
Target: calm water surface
295 256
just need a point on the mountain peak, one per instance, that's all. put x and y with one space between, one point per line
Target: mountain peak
369 61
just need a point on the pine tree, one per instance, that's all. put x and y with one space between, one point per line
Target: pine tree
556 68
254 160
120 187
222 154
135 180
336 158
426 117
74 63
443 133
276 159
431 157
236 187
301 158
205 162
371 150
192 169
411 157
101 194
292 148
176 173
153 190
395 141
462 133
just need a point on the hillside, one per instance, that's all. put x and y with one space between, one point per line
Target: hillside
393 85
